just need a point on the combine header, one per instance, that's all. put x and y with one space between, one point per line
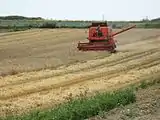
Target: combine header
101 38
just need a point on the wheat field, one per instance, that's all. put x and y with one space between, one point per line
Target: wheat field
41 68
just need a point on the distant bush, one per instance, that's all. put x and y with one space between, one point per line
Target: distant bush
152 25
157 19
48 25
20 18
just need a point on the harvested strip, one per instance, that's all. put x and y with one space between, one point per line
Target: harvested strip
48 99
51 83
44 74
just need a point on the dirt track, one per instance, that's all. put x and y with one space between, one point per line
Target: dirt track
138 57
146 107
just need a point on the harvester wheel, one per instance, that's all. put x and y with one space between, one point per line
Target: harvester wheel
113 51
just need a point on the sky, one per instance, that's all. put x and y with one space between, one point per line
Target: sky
82 9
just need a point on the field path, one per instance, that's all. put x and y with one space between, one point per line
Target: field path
87 72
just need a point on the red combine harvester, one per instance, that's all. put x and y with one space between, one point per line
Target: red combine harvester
101 38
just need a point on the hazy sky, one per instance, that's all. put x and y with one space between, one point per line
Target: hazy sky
82 9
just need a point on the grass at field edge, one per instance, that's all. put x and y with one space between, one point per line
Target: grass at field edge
83 108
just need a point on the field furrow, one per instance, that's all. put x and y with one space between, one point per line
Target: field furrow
48 98
87 66
74 78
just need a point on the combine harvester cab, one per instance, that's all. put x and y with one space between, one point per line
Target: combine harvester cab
101 38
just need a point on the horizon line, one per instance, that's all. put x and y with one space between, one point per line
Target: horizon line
50 18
